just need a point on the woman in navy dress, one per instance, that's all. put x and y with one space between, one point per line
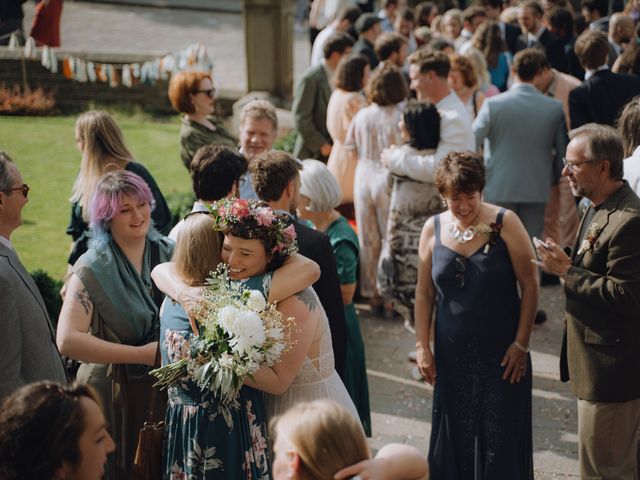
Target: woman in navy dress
475 270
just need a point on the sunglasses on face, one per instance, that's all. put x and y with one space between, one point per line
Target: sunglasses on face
209 93
461 268
24 189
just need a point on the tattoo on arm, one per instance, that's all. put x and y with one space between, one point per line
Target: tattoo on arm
82 297
307 297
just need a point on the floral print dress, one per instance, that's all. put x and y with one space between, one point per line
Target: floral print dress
202 442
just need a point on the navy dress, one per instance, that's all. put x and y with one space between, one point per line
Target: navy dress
200 444
481 424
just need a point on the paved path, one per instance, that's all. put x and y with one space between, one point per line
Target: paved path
401 406
98 27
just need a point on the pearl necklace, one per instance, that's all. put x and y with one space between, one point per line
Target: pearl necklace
464 236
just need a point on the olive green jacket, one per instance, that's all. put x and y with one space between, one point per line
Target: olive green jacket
194 135
601 345
309 110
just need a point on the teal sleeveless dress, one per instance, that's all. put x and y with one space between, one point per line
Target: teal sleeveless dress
199 442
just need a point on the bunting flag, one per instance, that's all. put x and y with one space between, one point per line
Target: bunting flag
127 81
91 72
81 71
66 68
30 48
14 40
53 61
45 58
194 57
101 72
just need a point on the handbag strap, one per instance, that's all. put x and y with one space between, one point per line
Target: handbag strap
158 298
157 295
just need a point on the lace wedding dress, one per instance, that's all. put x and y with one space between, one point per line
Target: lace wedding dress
317 377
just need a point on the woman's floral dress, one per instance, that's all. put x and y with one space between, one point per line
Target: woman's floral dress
200 441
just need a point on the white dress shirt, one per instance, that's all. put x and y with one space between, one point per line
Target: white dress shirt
317 52
632 170
456 133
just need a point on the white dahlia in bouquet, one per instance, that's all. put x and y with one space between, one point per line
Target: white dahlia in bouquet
239 333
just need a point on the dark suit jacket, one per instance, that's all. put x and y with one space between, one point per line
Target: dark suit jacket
29 352
511 34
364 47
553 48
316 246
309 110
601 98
601 345
573 63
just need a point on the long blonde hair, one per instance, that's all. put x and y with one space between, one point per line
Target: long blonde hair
198 248
103 148
325 436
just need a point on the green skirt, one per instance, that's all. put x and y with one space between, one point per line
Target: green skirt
355 373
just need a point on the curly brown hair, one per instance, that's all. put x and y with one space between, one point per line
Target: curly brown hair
271 172
465 67
387 86
349 74
460 172
488 39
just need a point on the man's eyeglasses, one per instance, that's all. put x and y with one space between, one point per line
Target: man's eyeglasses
461 267
572 165
24 188
209 93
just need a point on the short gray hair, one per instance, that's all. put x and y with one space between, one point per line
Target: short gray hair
320 186
602 143
260 110
6 180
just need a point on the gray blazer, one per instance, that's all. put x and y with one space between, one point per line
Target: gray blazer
310 112
527 139
29 353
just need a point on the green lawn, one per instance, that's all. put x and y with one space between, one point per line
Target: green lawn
45 152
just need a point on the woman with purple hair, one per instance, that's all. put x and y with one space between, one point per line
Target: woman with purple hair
109 319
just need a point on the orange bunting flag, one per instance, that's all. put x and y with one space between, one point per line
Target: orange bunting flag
66 68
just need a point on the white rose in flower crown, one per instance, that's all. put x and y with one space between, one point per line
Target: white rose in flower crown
256 301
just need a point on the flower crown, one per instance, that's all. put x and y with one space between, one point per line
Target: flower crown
259 221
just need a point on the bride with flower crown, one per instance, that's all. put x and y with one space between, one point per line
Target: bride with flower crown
257 242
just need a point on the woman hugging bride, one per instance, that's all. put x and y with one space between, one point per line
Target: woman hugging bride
259 248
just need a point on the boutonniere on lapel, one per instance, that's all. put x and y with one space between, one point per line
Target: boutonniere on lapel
590 238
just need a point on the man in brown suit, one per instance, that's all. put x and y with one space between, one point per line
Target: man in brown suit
601 345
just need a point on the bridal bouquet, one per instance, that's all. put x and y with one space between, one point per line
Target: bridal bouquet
239 333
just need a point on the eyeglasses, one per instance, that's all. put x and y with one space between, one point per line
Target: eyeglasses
572 165
209 93
461 267
24 188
